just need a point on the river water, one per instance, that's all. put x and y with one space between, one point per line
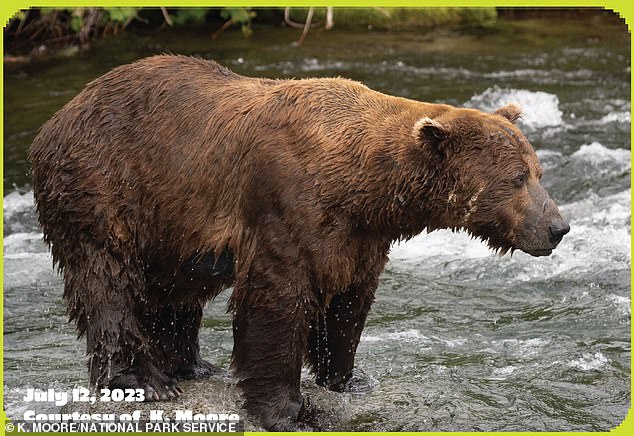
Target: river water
459 338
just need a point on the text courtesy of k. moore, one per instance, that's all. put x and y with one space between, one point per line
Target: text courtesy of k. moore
151 420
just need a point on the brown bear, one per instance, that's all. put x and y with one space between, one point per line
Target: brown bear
170 179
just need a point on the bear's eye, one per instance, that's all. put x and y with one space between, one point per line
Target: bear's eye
520 180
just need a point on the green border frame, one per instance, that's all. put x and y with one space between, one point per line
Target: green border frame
624 8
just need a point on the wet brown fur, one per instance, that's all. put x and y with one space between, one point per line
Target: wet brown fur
301 185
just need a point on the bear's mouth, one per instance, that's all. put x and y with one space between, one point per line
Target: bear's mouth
537 252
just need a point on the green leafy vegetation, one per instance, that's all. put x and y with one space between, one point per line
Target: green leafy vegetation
189 16
61 27
121 15
400 18
241 16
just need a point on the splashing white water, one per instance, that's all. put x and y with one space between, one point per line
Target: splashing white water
539 109
410 335
616 117
589 362
599 156
17 202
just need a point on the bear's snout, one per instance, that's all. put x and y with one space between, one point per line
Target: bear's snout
554 228
557 230
543 227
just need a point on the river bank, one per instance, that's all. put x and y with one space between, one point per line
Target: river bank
64 32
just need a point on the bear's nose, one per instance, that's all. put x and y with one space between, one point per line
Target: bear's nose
557 231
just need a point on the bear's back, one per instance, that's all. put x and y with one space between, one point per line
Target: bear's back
185 135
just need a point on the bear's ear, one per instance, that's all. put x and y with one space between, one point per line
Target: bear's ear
511 112
430 131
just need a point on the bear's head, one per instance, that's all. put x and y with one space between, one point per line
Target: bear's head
489 178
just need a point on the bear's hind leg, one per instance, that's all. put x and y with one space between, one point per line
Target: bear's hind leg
174 333
104 289
334 338
174 322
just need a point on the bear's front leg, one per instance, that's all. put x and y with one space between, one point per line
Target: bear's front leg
270 332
